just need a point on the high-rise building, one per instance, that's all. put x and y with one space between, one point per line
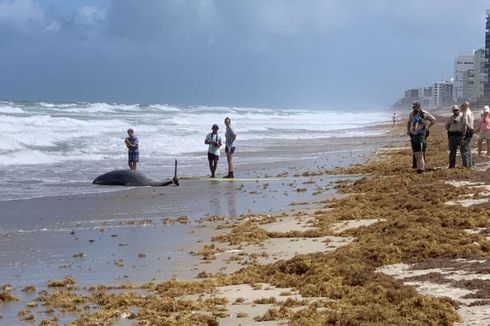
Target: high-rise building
486 86
461 64
469 90
480 76
412 93
442 93
422 95
425 96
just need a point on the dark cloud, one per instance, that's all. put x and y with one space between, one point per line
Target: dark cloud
317 53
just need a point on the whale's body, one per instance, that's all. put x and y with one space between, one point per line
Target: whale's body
128 178
132 178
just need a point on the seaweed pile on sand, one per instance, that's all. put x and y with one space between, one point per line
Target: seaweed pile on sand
415 225
146 304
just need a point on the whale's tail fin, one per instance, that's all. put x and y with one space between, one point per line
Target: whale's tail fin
175 179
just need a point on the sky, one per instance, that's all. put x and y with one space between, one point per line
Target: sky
304 54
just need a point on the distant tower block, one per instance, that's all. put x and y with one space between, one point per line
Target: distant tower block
486 86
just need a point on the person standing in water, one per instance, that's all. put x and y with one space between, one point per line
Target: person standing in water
132 144
395 119
230 137
214 141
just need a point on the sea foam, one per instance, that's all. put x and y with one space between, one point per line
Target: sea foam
41 132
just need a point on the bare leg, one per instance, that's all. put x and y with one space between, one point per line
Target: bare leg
214 165
211 167
420 161
229 158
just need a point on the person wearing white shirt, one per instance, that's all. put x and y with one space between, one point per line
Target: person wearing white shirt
214 141
467 125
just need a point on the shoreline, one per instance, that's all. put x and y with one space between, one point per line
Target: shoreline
74 175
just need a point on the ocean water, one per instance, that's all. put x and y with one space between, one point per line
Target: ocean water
59 148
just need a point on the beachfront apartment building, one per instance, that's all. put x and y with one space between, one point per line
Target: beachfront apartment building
469 89
425 96
462 63
421 94
442 93
480 77
471 86
486 84
471 81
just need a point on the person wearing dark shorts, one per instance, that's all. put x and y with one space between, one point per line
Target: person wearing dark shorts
426 120
418 141
214 141
230 137
132 144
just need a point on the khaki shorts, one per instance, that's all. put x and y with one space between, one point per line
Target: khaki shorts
484 134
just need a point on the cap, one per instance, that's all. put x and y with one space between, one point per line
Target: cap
486 108
416 104
215 126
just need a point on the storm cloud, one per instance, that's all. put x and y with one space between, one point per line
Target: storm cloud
304 54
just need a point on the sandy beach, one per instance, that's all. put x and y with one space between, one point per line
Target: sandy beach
341 237
244 163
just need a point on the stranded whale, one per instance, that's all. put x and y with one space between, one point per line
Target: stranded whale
132 178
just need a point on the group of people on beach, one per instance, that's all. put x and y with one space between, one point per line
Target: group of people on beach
460 130
213 139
